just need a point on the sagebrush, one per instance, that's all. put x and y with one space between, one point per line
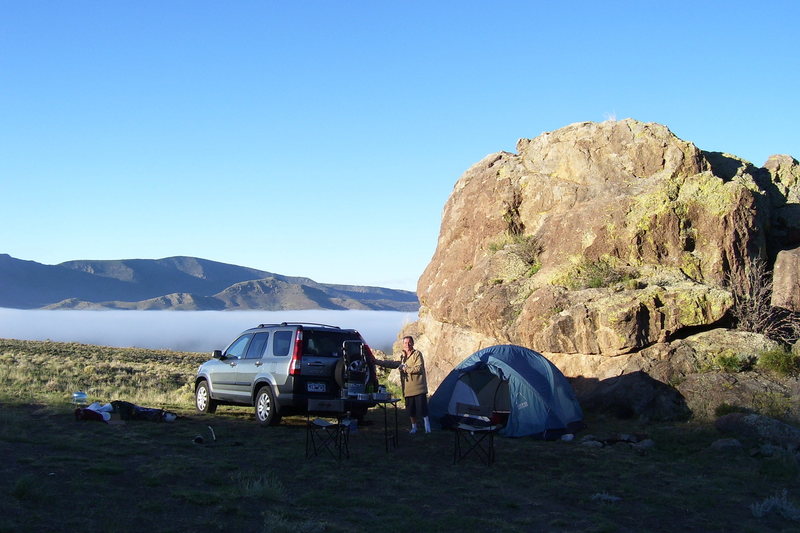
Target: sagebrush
752 304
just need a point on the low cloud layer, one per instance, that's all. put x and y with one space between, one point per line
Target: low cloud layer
191 331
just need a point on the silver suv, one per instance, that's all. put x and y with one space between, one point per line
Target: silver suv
277 367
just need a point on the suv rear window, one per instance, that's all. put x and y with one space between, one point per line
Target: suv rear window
326 343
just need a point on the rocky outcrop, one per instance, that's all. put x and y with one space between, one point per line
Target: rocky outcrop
597 242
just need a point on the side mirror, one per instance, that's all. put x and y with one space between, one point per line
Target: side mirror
216 354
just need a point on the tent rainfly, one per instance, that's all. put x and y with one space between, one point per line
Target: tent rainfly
515 380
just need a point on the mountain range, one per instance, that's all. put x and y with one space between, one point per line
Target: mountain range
179 283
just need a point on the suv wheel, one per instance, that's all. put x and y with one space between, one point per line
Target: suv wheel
202 398
265 407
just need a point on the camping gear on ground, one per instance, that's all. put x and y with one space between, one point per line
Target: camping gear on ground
323 433
120 410
516 383
130 411
94 411
79 398
475 429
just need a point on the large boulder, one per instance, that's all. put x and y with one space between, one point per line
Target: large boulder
760 428
781 179
786 280
594 243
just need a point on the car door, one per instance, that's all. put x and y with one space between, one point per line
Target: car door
250 366
223 377
278 358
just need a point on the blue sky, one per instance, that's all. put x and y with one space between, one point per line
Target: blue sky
323 138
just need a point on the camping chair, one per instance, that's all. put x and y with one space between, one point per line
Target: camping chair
324 434
475 429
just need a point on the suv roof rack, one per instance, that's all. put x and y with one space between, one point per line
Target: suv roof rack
300 324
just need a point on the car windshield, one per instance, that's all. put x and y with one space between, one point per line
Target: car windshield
326 343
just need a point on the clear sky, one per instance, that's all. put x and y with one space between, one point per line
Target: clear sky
322 138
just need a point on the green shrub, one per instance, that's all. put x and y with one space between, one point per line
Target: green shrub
533 269
730 361
497 245
526 247
781 361
772 404
594 274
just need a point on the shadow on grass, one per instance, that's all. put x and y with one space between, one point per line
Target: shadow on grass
154 477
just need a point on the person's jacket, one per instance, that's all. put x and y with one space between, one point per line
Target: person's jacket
412 378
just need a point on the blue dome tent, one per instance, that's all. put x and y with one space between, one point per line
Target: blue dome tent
538 399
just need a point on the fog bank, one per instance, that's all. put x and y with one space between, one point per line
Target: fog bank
190 331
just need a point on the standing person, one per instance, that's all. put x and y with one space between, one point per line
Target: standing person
415 384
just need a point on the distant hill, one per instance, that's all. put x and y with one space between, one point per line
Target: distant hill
179 283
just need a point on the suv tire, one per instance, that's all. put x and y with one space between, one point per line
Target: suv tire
202 398
266 409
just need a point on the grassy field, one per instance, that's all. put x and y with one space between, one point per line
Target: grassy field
59 474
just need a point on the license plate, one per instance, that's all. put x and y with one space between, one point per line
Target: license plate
315 387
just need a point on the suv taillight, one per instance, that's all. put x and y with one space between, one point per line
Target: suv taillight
297 354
